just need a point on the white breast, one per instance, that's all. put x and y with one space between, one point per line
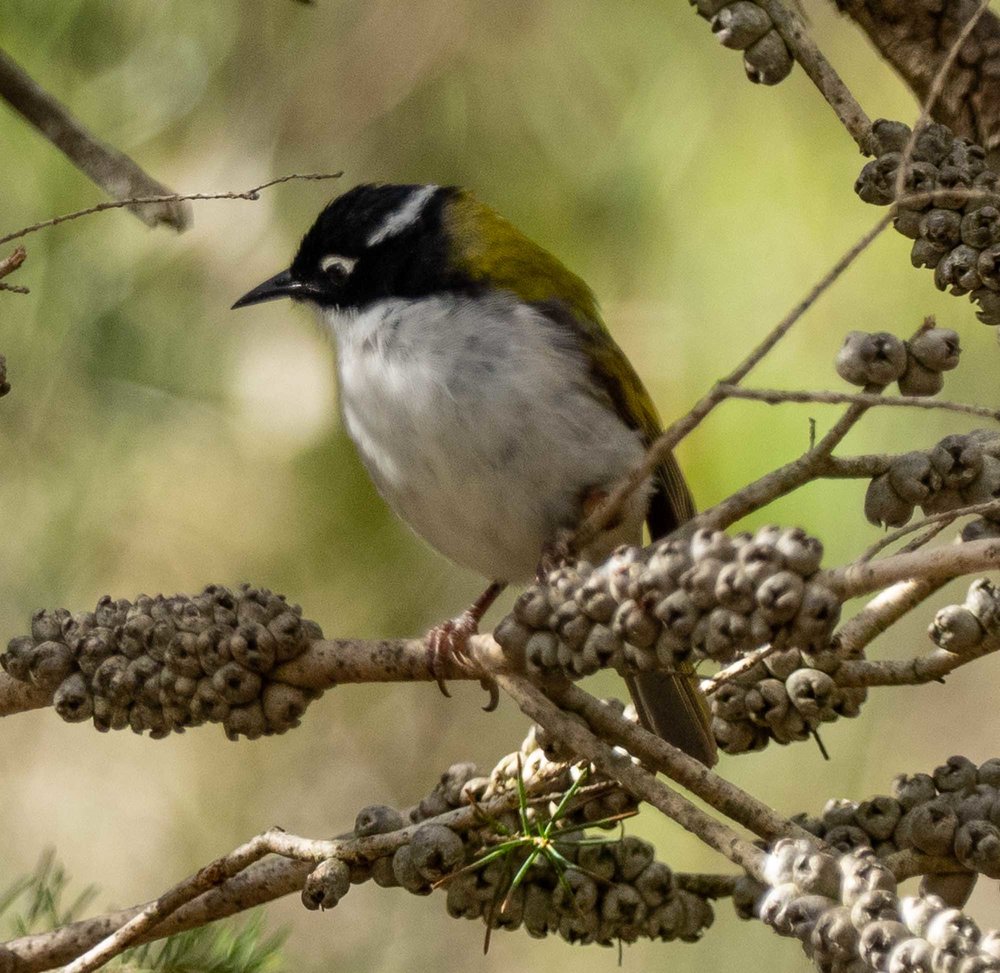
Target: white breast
472 418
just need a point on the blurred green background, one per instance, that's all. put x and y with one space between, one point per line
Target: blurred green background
155 442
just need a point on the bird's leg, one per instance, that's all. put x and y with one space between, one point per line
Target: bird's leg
449 642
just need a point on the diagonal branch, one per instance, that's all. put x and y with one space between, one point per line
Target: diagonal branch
113 171
251 194
636 780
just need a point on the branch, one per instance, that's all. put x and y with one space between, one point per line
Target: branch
251 194
241 880
932 667
113 171
942 520
661 756
881 613
639 782
780 396
936 564
8 265
837 95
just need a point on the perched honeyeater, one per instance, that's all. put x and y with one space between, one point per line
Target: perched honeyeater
487 399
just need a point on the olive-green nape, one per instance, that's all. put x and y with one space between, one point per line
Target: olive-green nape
491 250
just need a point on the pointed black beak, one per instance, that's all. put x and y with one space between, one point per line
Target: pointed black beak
280 285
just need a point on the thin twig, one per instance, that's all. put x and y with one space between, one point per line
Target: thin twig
781 396
205 879
256 884
736 669
944 518
112 170
252 194
661 448
838 96
8 265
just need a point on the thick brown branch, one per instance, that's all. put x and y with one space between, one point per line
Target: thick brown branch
113 171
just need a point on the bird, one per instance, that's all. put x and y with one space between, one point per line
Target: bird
487 399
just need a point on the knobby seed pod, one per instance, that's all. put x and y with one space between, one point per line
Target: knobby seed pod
163 664
611 891
950 209
743 25
961 470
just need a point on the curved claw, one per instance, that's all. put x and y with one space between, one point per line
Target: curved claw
435 649
490 686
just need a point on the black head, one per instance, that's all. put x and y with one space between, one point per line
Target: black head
373 242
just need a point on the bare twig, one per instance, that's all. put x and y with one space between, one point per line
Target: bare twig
12 261
838 96
113 171
932 564
943 519
252 194
657 754
881 613
207 878
853 467
781 396
932 667
256 883
8 265
736 669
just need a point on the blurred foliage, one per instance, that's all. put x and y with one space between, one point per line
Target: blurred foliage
154 441
37 903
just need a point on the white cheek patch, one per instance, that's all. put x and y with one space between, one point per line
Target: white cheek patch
334 260
405 216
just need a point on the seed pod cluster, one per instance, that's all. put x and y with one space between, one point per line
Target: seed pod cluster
744 26
953 813
710 596
917 365
162 664
784 698
848 915
972 628
952 210
961 470
613 891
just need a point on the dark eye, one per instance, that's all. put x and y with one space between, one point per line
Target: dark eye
337 265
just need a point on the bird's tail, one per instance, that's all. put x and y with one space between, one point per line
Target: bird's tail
674 708
670 704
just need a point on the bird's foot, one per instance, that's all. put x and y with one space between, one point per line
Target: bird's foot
449 643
